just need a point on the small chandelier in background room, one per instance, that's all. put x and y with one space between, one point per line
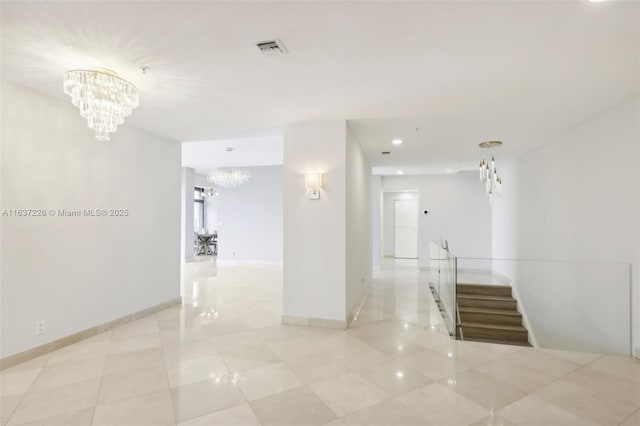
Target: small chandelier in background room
228 178
103 98
210 192
489 173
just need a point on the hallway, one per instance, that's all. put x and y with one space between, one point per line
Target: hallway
223 358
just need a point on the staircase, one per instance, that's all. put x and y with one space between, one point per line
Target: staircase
488 313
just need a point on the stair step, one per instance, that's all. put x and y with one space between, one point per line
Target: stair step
490 311
490 316
486 290
497 341
494 331
488 302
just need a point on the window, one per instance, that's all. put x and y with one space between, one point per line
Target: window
199 224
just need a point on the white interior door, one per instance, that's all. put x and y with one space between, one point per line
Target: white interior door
405 224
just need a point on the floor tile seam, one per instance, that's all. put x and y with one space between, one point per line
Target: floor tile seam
582 388
63 385
429 380
561 409
154 314
562 377
17 405
95 404
30 388
556 405
82 343
205 414
132 336
71 363
525 394
411 410
253 411
229 372
387 396
305 385
629 416
129 373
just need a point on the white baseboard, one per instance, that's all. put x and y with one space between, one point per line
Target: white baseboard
32 353
356 308
314 322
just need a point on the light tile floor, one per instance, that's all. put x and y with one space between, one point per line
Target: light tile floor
223 358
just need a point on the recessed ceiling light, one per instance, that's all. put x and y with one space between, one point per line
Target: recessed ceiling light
400 172
396 141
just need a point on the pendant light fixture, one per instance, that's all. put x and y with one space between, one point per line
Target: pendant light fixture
104 99
488 173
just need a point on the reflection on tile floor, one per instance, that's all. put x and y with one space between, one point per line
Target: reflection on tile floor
223 358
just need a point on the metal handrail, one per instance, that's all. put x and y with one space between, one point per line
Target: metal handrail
458 326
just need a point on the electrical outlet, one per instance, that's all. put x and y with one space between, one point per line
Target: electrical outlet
40 327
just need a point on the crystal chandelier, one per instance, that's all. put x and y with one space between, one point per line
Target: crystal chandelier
103 98
489 173
228 178
210 192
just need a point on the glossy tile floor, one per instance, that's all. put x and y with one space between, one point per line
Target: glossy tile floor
224 359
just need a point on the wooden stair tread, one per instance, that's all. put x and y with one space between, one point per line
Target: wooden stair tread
472 310
481 297
492 326
497 341
485 285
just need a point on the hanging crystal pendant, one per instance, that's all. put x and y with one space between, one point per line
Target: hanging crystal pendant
103 98
488 172
228 178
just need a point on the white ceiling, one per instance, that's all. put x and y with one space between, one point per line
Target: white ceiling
462 72
263 150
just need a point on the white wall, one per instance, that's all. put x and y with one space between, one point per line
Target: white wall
186 214
250 224
577 199
376 221
358 226
248 218
458 211
314 230
78 272
388 206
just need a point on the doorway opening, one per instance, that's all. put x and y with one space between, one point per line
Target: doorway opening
401 224
405 229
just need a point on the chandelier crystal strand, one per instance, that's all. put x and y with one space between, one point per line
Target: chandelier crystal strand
103 98
488 172
228 178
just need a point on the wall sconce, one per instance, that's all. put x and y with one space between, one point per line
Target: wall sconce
313 183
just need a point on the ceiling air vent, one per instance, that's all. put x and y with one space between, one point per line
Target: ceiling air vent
386 152
271 47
